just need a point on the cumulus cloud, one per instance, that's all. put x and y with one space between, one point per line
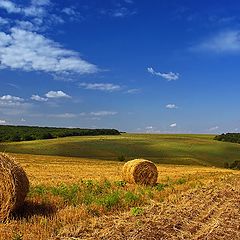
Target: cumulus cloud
11 98
57 94
29 51
173 125
171 106
222 42
38 98
9 101
168 76
3 121
103 113
109 87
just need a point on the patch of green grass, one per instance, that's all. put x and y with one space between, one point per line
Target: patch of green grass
110 200
181 181
137 211
120 183
160 186
68 193
39 190
96 195
131 197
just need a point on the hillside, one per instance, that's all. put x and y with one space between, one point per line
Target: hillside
166 149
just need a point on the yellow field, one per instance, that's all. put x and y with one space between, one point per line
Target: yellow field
54 169
190 202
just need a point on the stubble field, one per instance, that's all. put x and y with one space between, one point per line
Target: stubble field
85 198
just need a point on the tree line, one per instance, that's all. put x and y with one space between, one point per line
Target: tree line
9 133
229 137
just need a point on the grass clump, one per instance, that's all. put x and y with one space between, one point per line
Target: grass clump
39 190
110 200
160 186
181 181
68 193
137 211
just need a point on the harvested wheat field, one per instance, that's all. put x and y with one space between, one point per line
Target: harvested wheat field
207 212
76 198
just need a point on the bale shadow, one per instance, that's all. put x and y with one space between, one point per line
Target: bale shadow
30 209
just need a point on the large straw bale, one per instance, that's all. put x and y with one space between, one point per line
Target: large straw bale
14 186
140 171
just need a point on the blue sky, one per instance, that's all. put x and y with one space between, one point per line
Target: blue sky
138 66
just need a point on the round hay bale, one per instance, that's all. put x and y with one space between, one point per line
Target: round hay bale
14 186
140 171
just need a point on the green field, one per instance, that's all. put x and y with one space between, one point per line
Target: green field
169 149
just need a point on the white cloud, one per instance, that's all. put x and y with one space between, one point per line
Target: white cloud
64 115
3 122
29 51
9 6
213 128
27 25
56 94
168 76
3 21
38 98
41 2
72 13
149 127
35 9
69 11
9 101
223 42
103 113
109 87
13 105
173 125
11 98
133 91
171 106
121 12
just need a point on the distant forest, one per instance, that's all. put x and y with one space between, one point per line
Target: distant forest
229 137
10 133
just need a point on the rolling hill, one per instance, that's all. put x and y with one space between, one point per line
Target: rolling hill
178 149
